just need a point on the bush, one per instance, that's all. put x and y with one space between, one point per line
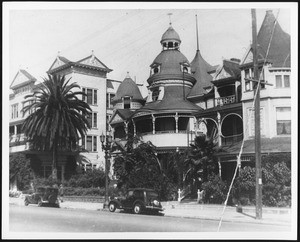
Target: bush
276 174
244 187
91 178
19 170
276 178
80 191
45 182
91 191
215 190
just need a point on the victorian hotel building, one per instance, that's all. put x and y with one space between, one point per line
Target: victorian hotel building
184 99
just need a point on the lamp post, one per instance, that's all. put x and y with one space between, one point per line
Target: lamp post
106 146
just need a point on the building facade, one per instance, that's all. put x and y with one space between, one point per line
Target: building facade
91 75
188 98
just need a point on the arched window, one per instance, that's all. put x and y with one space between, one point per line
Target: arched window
170 44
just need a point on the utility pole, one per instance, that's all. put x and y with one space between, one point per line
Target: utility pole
258 190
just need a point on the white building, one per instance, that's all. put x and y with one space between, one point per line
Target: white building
91 75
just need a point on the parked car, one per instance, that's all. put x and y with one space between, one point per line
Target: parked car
43 195
137 200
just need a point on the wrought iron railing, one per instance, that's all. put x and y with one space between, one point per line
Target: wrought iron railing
221 101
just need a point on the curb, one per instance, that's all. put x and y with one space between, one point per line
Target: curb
213 218
170 208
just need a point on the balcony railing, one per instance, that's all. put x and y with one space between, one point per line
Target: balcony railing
17 139
228 140
221 101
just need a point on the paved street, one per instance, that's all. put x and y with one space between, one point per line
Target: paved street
47 219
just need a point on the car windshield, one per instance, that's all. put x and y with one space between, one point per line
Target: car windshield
152 194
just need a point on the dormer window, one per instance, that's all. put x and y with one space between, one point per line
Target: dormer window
155 69
155 94
185 68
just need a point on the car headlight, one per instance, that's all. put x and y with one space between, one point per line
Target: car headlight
156 203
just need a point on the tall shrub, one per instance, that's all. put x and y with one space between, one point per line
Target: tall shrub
215 190
19 170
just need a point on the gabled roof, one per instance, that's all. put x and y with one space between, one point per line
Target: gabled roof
22 78
280 44
229 69
59 61
200 69
92 60
120 115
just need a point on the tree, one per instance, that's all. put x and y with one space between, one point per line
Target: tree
138 166
19 170
59 117
200 162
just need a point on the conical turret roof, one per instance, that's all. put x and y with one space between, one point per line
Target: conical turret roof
128 88
170 34
200 69
280 45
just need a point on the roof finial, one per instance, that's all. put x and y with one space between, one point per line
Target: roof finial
127 76
92 52
170 18
58 53
197 33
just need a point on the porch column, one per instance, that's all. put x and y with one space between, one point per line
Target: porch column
134 128
15 129
176 121
219 129
126 129
236 84
220 167
153 124
195 125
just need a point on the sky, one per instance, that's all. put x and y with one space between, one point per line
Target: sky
126 37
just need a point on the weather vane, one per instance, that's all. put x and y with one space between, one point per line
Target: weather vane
170 18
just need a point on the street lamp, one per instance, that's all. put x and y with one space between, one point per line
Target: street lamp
106 146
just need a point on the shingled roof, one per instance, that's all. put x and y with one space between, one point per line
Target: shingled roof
128 88
280 43
280 47
200 70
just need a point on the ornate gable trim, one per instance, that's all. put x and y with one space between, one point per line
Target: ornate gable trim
58 63
21 79
116 118
92 61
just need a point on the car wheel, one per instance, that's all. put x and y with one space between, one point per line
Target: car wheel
40 203
112 207
26 202
137 209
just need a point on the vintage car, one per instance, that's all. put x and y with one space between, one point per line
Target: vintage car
43 195
137 200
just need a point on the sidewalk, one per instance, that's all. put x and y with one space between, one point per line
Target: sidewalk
277 216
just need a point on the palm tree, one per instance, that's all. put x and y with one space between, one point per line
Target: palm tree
200 161
59 117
